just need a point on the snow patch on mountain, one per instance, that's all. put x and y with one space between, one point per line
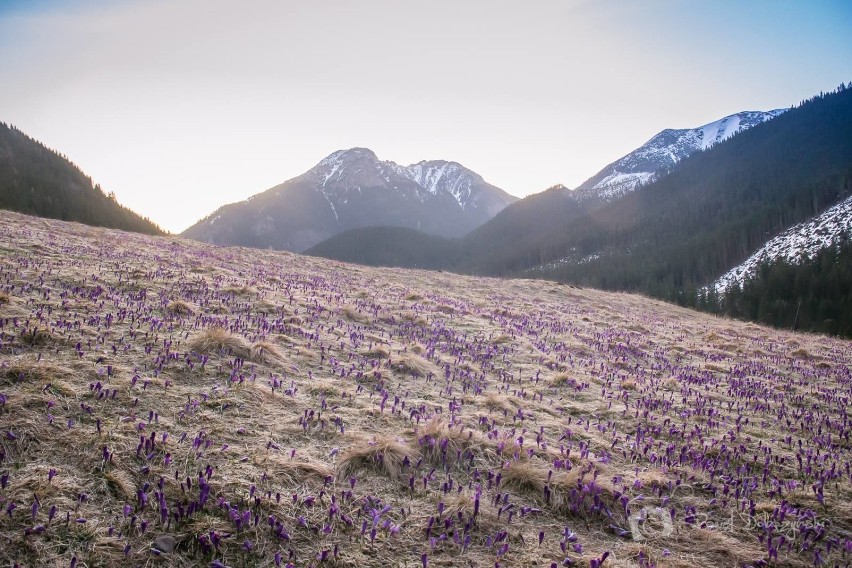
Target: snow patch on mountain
795 244
649 161
441 176
617 184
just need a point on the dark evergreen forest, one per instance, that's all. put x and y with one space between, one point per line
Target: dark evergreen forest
814 295
38 181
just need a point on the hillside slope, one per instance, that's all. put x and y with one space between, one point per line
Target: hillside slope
38 181
165 402
389 246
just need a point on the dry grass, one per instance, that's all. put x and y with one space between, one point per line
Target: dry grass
219 340
295 399
801 353
383 455
354 314
265 352
297 471
412 364
180 308
240 290
443 445
413 318
722 550
497 402
27 368
377 352
526 477
35 336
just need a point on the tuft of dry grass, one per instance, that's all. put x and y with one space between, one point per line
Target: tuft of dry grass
240 290
217 340
121 482
297 471
383 455
180 308
353 314
441 445
414 318
801 353
36 336
412 364
265 352
377 352
30 369
497 402
525 477
562 379
723 550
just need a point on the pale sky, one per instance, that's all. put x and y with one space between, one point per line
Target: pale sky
181 106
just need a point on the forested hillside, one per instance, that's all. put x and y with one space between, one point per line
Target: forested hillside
708 214
812 295
38 181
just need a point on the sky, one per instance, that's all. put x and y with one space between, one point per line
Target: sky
181 106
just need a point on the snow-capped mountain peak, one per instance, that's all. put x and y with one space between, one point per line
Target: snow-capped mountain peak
341 164
350 155
724 128
649 161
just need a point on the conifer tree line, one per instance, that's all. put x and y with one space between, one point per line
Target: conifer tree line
39 181
814 294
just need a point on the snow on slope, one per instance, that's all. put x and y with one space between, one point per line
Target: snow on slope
800 241
644 164
442 176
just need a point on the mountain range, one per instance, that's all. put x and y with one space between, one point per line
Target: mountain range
690 216
693 223
352 189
